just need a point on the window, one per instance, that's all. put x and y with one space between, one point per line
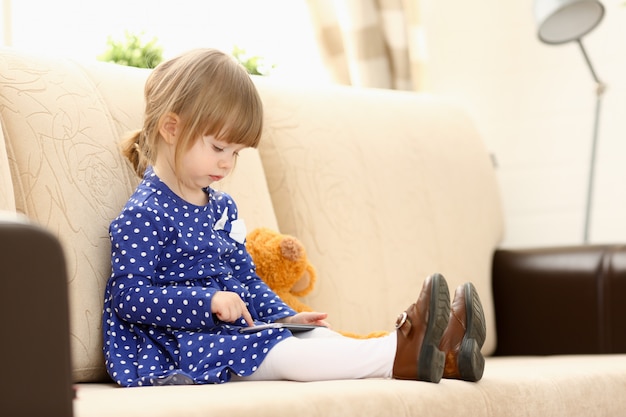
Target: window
280 31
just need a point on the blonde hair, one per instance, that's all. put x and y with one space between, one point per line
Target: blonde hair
210 92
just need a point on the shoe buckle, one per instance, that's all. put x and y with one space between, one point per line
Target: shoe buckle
401 319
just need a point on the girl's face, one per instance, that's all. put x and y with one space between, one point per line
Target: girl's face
207 161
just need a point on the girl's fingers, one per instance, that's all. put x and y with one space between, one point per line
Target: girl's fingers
318 318
229 308
247 317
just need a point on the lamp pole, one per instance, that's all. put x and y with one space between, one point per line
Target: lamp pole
562 21
600 88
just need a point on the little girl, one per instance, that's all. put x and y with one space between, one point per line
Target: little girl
183 285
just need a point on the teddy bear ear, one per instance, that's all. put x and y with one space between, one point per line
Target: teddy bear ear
291 249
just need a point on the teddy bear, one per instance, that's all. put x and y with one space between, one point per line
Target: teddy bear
282 263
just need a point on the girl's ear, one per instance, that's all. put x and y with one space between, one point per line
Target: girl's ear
169 126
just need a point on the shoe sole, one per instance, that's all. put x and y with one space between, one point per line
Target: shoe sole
431 360
470 360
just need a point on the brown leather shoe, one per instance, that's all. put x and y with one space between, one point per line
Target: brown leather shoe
464 336
419 331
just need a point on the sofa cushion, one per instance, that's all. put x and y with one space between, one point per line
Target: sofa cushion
69 177
437 209
572 386
62 122
7 200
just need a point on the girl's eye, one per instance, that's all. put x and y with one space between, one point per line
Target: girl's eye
218 149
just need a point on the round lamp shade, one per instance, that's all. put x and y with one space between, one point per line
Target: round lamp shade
560 21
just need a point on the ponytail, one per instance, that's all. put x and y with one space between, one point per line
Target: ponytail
132 149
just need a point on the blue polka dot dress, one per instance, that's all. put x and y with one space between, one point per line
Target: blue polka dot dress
168 259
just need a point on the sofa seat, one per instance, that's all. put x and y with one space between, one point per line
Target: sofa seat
512 386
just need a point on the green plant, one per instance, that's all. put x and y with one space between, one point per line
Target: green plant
133 51
255 65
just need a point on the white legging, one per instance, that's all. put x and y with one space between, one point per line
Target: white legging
323 354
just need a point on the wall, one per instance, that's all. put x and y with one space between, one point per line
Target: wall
534 105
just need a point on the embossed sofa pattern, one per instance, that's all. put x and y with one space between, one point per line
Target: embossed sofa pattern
382 187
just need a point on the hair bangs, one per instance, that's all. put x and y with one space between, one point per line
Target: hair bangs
223 102
237 119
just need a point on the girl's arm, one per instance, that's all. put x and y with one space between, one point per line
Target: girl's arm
269 307
135 300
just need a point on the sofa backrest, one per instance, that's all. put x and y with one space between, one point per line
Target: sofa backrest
384 188
62 121
7 199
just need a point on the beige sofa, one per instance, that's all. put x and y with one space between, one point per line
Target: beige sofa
382 187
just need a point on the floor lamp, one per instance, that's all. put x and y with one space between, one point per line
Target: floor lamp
561 21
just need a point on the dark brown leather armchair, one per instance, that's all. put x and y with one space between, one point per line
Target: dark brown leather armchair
577 299
35 350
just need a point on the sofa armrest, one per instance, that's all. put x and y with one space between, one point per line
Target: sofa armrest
561 300
35 351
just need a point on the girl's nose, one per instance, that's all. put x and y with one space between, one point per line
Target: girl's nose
225 163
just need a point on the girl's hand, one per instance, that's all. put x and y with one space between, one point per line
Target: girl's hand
308 317
229 307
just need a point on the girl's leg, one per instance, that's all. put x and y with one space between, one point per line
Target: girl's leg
412 352
324 355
